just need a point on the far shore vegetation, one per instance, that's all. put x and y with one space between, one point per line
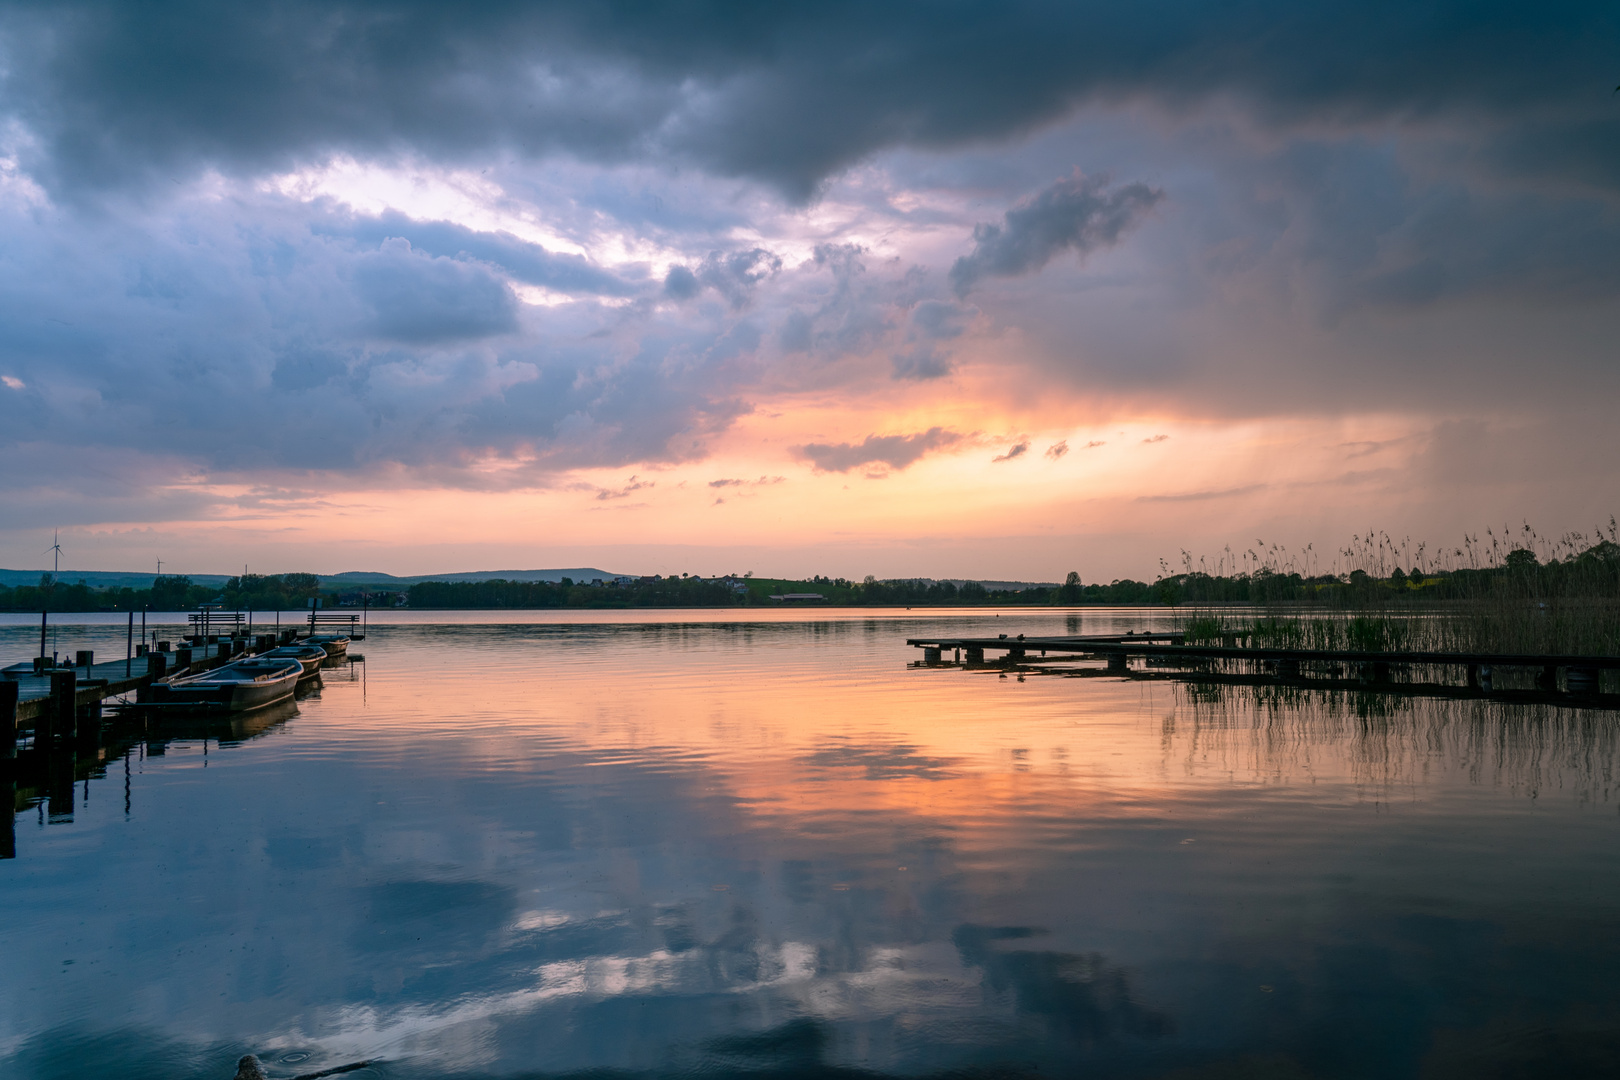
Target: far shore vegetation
1511 592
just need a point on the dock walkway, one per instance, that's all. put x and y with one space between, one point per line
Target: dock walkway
1580 673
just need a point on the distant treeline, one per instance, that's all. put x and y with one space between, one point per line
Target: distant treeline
256 592
500 593
686 591
1588 571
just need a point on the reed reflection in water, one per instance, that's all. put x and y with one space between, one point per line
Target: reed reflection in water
681 846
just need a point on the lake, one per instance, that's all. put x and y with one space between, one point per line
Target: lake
698 843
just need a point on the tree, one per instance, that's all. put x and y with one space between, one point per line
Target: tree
1069 591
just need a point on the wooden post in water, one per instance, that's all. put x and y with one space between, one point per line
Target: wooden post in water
87 738
8 726
156 663
41 639
63 711
129 646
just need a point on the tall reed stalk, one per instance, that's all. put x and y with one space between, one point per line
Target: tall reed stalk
1514 593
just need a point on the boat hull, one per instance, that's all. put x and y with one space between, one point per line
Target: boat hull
233 688
310 656
334 646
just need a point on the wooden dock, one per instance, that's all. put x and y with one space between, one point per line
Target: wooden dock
1580 674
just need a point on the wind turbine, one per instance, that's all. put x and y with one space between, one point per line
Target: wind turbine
56 546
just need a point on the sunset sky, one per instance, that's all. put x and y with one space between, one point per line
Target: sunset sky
993 290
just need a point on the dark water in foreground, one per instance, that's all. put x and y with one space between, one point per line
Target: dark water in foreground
700 848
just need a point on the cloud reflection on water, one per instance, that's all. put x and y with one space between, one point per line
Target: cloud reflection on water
699 848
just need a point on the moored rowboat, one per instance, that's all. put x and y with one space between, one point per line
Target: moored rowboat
308 655
334 644
246 684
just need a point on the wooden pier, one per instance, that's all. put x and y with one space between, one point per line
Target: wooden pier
1322 667
57 701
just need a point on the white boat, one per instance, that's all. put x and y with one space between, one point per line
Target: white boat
310 656
334 644
246 684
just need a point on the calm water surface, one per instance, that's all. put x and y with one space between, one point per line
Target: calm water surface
708 844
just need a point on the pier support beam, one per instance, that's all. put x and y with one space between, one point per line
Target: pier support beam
1287 669
8 730
1118 663
975 655
931 655
1581 680
1548 679
87 734
1375 672
64 708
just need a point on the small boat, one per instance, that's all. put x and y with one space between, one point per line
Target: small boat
334 644
246 684
308 655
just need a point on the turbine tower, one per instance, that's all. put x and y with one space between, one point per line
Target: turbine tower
56 546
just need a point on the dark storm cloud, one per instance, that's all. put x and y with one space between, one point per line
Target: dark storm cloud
896 451
787 93
427 299
1078 213
523 261
733 275
253 336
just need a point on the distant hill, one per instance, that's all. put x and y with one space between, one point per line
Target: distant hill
103 579
373 577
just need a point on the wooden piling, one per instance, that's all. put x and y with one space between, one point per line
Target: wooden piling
63 710
8 721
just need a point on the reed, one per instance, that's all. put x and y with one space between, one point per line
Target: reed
1515 592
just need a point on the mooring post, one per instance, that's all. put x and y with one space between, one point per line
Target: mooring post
8 726
182 658
88 736
156 668
64 704
8 828
129 646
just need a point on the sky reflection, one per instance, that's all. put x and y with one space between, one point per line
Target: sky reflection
711 847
